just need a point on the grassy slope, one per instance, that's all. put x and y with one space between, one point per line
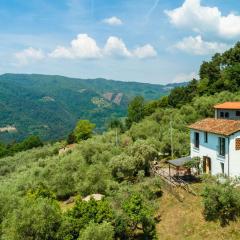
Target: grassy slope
184 221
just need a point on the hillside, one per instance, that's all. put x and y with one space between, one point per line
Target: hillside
49 106
43 189
184 220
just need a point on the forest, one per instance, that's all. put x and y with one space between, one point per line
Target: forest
37 182
49 106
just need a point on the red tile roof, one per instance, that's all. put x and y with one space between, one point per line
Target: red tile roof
218 126
228 105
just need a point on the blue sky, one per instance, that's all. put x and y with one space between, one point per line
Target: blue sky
156 41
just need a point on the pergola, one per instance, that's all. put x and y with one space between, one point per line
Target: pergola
179 165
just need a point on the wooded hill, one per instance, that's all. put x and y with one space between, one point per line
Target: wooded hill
49 106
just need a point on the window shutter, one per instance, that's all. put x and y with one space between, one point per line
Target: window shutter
237 144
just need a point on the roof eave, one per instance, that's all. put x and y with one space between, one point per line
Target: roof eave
204 130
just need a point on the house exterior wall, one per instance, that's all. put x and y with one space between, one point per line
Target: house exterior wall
234 163
232 114
210 149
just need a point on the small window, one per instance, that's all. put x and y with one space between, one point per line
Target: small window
205 137
237 144
222 167
226 114
222 114
222 143
196 140
238 113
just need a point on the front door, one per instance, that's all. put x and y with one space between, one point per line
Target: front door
207 165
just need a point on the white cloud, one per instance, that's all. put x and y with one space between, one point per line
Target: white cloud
116 47
185 77
197 46
146 51
61 52
199 18
83 47
29 55
230 26
113 21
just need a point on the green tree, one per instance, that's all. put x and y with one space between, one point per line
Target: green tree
182 95
37 219
40 191
95 180
221 202
144 129
94 231
123 167
135 111
82 214
137 158
117 125
194 163
84 130
139 216
71 138
3 150
29 143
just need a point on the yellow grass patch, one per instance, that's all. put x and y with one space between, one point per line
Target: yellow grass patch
184 221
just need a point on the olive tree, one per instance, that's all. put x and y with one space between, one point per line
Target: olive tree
221 202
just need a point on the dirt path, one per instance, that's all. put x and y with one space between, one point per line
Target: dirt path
184 221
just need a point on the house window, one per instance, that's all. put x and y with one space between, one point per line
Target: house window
226 114
196 140
222 114
237 144
238 113
222 143
222 167
205 137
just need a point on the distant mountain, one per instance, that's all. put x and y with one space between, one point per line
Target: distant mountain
49 106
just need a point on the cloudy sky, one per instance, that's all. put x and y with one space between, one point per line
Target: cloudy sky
156 41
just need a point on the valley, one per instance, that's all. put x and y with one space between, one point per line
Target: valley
49 106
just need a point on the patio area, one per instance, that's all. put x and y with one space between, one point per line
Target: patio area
179 169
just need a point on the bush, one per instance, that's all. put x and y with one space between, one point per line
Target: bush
221 202
93 231
84 213
139 216
83 130
135 111
33 219
123 167
71 138
137 158
95 180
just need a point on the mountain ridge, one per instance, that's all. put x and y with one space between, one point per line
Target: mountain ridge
50 105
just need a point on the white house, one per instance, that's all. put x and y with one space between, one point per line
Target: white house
217 140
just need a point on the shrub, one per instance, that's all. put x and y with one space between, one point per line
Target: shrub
83 130
221 202
33 219
71 138
95 180
94 231
139 216
82 215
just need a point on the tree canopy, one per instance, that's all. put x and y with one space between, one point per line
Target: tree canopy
84 130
